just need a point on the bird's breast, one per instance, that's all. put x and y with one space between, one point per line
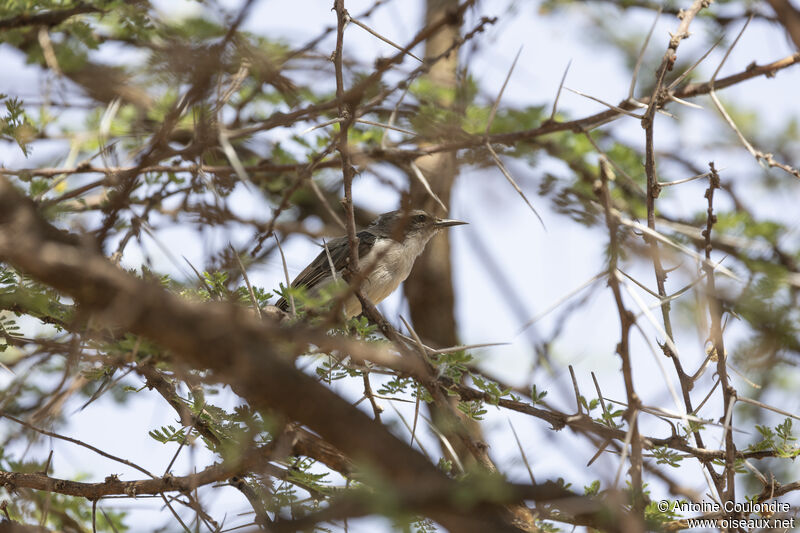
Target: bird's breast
393 263
389 263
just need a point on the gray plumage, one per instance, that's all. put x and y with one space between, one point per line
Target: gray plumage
387 249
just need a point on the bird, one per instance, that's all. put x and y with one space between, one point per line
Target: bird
387 249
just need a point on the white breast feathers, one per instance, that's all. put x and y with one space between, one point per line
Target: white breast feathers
390 263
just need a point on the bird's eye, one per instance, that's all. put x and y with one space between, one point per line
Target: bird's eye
419 218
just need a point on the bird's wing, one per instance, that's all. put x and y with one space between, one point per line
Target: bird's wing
319 269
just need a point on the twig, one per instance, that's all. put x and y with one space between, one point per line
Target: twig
760 156
446 444
421 178
324 201
681 409
522 452
623 347
381 37
689 70
463 347
715 311
386 126
613 107
232 156
640 58
558 93
78 442
599 393
175 514
347 114
109 521
376 409
493 111
640 284
336 120
286 276
708 396
411 430
765 406
246 280
334 275
579 405
560 301
625 445
183 441
685 180
48 51
643 307
685 102
691 253
513 183
47 18
393 116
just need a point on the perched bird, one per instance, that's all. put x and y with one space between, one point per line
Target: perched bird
387 250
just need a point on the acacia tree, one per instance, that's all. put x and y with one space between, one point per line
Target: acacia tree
209 115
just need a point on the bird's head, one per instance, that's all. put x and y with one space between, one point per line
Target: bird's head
415 224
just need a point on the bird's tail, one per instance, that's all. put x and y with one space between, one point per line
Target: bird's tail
282 304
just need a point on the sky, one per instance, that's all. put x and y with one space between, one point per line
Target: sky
543 265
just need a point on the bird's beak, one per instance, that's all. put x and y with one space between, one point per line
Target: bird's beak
446 223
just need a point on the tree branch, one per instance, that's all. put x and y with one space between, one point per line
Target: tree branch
47 18
253 356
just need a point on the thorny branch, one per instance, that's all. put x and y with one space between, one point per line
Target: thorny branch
653 192
623 348
715 336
